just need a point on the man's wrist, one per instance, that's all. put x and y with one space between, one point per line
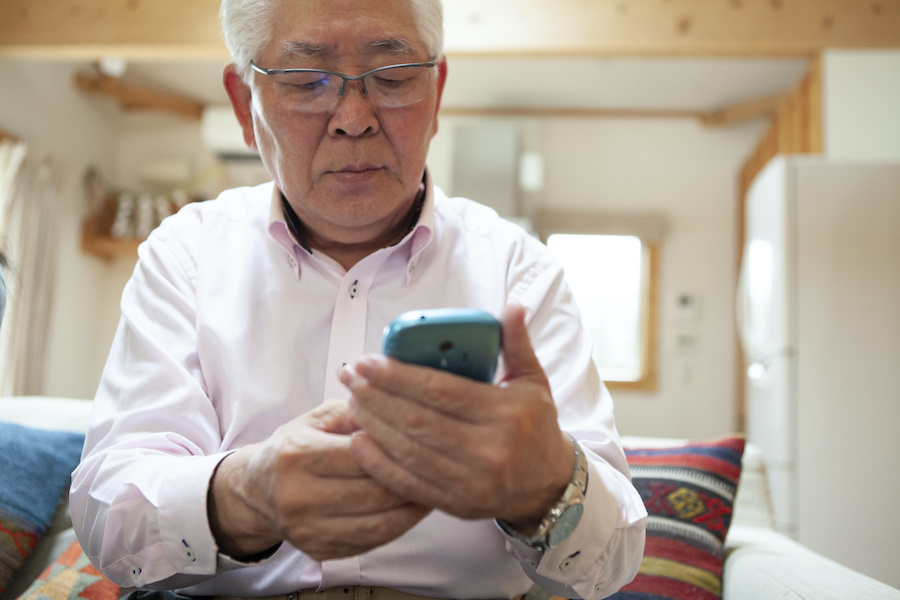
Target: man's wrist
563 516
236 527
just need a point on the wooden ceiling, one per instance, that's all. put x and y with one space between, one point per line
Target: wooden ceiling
189 29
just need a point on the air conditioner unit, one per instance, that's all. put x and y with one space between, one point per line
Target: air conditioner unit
222 134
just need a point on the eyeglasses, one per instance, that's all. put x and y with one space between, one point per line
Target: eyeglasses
316 90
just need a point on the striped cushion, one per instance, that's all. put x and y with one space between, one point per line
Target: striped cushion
71 577
689 492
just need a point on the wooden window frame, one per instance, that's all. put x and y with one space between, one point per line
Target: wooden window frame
650 229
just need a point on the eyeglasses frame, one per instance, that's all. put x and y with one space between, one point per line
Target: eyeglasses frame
345 78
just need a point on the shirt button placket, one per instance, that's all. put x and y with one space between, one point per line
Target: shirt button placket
348 330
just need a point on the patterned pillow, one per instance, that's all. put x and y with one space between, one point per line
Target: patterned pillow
71 577
35 470
689 492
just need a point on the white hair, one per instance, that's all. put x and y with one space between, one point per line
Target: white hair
246 26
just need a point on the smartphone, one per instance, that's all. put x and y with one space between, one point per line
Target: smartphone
463 341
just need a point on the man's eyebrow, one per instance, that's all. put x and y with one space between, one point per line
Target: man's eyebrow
398 45
303 49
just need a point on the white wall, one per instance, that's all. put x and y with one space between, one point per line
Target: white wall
40 105
861 104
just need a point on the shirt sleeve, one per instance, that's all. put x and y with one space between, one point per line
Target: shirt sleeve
138 497
604 551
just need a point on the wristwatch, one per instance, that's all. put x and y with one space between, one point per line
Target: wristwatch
561 519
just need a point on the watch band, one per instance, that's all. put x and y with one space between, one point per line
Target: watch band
561 519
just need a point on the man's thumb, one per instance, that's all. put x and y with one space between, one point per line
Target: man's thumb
519 359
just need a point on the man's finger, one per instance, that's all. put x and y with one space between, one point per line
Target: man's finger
519 359
340 537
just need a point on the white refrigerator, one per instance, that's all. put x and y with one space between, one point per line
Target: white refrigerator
819 312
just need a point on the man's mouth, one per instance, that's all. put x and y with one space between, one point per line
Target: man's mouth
356 169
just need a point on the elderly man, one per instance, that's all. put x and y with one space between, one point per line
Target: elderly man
249 440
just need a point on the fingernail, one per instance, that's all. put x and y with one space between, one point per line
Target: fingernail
345 374
368 364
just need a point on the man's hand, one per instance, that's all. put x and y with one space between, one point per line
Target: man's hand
471 449
303 485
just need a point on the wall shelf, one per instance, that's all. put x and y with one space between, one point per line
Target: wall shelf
105 246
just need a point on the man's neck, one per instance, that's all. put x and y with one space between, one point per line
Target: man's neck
348 254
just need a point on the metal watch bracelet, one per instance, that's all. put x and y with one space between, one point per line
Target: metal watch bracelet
561 519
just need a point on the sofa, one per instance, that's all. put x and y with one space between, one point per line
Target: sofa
755 563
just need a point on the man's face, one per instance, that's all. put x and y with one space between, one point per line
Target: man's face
351 173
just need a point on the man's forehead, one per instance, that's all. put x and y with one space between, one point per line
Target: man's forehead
339 28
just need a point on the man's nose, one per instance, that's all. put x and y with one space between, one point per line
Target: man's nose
354 114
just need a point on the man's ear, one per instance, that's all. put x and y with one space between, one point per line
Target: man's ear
240 96
442 79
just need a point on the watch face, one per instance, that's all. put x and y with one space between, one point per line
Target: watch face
565 525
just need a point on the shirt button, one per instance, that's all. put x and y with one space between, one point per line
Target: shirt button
567 564
135 573
531 563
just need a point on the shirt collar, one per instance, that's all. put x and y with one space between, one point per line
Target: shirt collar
422 234
293 223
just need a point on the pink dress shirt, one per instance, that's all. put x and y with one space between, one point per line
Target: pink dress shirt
229 329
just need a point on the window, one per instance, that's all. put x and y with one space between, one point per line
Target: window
613 278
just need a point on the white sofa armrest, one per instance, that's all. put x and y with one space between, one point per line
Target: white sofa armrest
762 563
45 412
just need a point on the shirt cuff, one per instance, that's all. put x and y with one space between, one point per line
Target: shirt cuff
582 562
183 517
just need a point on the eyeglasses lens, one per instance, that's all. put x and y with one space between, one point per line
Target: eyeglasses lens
315 91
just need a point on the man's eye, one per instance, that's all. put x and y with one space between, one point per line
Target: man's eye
393 79
306 82
389 83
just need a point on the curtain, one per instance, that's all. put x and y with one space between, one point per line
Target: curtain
29 234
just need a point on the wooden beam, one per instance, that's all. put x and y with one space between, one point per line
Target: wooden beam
188 30
759 107
133 97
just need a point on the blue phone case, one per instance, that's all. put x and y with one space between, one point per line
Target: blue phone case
464 341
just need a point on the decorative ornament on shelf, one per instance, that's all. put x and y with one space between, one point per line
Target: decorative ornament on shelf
123 224
120 219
